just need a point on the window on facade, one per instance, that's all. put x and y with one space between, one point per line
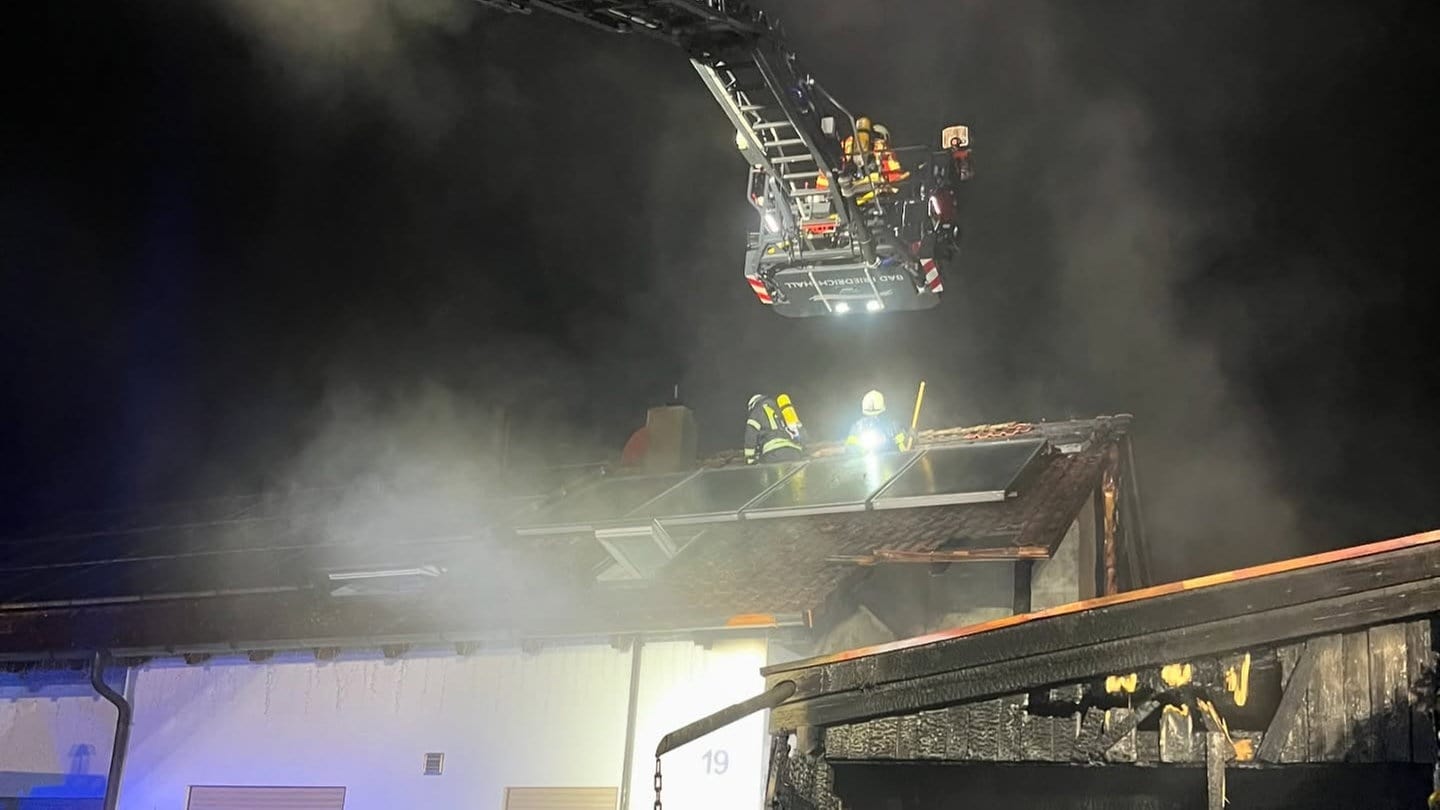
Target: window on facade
522 798
216 797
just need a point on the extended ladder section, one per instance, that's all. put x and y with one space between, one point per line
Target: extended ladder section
815 251
812 252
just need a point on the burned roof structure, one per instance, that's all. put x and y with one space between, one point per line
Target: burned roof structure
1302 683
724 546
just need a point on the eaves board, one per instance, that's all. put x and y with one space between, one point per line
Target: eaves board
962 474
831 486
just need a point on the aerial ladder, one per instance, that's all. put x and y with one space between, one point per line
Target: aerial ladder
834 236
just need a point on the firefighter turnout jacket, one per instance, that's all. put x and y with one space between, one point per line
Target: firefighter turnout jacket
765 431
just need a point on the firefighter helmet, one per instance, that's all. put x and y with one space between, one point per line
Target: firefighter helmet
862 124
873 403
754 399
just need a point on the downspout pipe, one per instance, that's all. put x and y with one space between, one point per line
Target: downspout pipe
123 716
636 648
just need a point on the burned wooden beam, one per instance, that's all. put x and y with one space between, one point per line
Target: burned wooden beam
1325 701
1101 731
1088 741
1120 727
931 735
1420 666
1360 725
1024 577
957 736
1022 674
1285 739
1011 730
1141 613
1176 735
1390 691
1216 744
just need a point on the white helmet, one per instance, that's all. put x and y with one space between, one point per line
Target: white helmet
754 399
873 403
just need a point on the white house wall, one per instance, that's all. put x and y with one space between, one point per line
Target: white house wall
502 718
684 682
54 739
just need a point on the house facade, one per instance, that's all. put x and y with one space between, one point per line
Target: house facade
557 718
527 653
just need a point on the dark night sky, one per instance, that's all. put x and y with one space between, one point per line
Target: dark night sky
248 244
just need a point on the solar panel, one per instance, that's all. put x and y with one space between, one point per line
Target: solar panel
830 486
715 495
974 473
605 502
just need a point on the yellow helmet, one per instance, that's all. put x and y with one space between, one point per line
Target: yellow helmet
862 123
873 403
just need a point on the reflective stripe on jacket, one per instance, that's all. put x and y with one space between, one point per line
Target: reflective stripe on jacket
765 431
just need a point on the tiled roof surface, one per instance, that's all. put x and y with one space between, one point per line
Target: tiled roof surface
793 565
787 566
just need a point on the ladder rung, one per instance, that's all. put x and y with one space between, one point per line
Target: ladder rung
810 192
792 158
772 125
752 107
787 142
800 176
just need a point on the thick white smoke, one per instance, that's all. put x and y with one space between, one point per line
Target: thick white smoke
330 49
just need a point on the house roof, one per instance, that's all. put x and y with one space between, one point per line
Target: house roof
255 577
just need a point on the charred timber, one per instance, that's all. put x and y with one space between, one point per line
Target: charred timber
1180 624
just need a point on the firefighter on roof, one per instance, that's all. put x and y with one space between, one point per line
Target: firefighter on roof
769 435
875 432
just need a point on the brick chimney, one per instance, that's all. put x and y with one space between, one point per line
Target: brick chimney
672 438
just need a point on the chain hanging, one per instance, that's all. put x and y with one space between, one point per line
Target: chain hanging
658 783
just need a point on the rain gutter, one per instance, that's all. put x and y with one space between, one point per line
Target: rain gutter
632 710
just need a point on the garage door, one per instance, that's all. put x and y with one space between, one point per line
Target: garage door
561 798
207 797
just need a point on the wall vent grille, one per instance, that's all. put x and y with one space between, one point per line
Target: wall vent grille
434 764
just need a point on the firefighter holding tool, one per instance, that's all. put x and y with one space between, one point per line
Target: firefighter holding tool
875 432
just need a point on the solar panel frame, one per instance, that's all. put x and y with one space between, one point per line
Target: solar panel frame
882 499
754 511
648 511
578 525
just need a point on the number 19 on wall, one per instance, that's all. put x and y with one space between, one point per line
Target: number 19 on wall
717 761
